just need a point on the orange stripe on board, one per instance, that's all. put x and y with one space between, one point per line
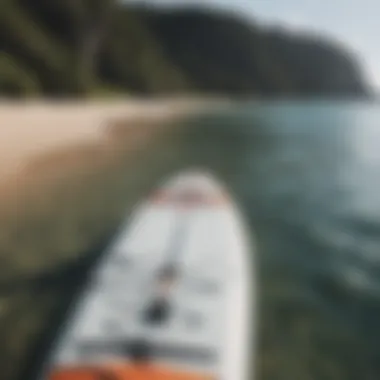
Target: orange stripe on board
125 372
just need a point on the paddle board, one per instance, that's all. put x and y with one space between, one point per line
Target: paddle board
172 297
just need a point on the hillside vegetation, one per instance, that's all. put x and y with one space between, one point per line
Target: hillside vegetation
100 47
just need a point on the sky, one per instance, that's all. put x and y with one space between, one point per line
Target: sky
353 22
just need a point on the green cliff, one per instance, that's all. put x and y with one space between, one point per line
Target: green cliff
81 47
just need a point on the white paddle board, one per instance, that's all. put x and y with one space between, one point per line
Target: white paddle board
172 297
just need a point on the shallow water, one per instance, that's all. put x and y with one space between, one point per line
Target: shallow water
307 176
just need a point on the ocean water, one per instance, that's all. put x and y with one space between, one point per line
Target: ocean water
307 177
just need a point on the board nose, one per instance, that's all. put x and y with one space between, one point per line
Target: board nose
195 187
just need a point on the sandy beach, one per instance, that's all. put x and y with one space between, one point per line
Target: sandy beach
30 129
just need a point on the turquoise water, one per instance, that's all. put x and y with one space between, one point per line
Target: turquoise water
307 176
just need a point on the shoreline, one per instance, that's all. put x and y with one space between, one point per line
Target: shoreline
30 129
55 227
